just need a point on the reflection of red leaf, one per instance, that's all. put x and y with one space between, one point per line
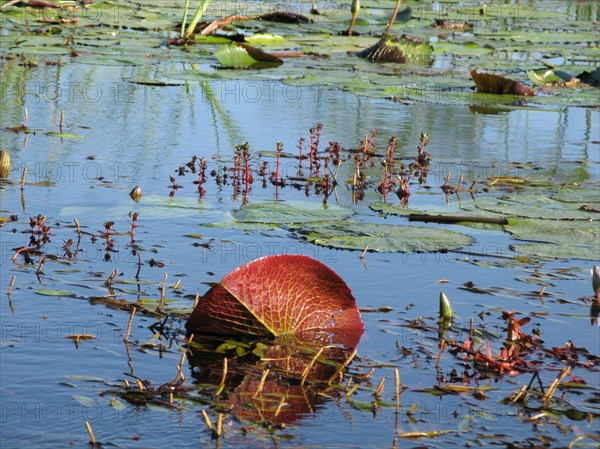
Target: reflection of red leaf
279 295
488 83
277 402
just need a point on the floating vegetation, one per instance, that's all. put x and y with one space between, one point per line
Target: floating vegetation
380 237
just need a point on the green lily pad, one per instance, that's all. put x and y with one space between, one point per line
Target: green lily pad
264 38
580 195
64 135
48 292
242 56
288 212
156 206
399 49
84 401
534 206
557 239
386 237
465 49
241 226
580 233
553 251
468 209
542 77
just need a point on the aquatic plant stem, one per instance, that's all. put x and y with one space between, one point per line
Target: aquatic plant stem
10 286
128 331
394 14
184 19
310 365
91 433
563 373
197 16
342 366
354 9
262 383
223 377
23 177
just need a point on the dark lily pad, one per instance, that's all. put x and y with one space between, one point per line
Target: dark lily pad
399 49
489 83
285 17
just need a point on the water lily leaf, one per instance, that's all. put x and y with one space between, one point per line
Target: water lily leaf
85 401
237 55
545 76
116 404
202 39
554 251
288 212
48 292
276 296
465 49
472 217
489 83
64 135
535 206
559 239
284 17
559 232
87 378
241 226
399 49
592 78
153 206
264 38
580 195
386 238
419 435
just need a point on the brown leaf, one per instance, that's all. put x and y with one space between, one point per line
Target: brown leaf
489 83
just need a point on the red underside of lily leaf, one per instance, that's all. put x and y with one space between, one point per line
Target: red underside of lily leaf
280 295
496 84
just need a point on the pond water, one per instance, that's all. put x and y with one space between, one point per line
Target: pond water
132 134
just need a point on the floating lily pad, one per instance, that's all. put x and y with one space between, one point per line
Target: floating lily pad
398 49
156 206
289 212
572 239
241 226
542 77
556 231
242 56
581 195
386 237
49 292
64 135
264 38
465 49
468 211
554 251
535 206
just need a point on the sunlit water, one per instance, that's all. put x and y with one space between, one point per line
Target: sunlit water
139 135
